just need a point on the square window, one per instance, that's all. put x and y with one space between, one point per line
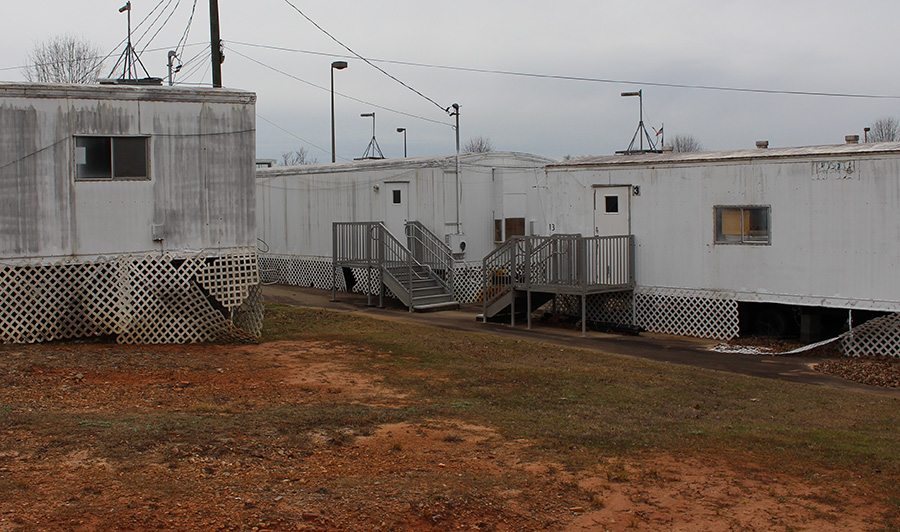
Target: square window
515 227
397 198
93 157
743 225
612 204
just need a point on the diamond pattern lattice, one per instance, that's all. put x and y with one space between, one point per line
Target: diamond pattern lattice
876 337
316 272
142 299
229 278
695 313
467 282
613 307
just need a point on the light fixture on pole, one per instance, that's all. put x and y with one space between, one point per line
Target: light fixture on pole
372 150
403 130
641 131
336 65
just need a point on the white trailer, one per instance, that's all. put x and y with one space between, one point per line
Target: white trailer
490 200
721 234
127 210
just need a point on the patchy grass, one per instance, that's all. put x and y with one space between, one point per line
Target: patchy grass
580 403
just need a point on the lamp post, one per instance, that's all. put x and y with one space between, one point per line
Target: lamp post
336 65
403 130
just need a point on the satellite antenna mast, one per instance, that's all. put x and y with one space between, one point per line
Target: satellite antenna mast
641 132
129 61
372 150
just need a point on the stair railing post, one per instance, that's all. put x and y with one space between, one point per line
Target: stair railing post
409 269
582 258
334 260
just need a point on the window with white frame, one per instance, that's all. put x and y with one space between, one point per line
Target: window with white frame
112 158
743 224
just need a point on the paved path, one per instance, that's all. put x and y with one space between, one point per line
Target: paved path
659 347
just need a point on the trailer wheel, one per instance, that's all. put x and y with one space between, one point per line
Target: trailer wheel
771 322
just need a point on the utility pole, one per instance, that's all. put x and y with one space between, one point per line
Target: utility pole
215 43
455 113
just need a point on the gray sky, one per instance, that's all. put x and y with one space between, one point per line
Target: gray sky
803 45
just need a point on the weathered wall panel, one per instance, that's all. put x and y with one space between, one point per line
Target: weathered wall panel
200 194
296 206
833 237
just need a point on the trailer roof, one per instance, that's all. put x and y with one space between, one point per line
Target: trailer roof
125 92
493 158
838 150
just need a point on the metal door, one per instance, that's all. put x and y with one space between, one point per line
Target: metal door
612 210
396 212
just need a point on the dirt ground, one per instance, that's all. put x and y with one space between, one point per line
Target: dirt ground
109 437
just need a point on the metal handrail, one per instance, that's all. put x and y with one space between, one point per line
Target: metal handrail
428 249
570 261
498 272
432 250
371 245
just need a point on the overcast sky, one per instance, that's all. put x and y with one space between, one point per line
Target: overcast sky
804 45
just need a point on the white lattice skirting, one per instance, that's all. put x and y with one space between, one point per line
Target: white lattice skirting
876 337
316 272
697 313
141 299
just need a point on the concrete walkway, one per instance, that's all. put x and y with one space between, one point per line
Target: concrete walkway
659 347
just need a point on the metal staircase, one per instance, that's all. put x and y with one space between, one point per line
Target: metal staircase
391 265
527 271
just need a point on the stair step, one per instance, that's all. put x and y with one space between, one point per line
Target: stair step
431 307
428 291
436 298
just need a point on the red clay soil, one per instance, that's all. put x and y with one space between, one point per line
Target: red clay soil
106 437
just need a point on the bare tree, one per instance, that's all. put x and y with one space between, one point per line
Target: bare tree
63 59
297 158
478 145
686 143
885 129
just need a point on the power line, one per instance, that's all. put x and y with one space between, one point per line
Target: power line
585 79
311 84
293 134
163 25
333 38
182 42
152 24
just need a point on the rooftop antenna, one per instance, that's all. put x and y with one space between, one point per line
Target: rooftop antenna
130 61
372 150
641 132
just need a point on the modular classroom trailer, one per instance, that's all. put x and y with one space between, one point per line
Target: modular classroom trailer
129 211
489 201
729 240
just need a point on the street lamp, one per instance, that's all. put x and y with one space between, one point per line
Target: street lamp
336 65
403 130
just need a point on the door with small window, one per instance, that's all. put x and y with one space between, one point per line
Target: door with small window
612 207
396 212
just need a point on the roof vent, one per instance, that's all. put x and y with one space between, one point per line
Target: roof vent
762 144
851 139
668 149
